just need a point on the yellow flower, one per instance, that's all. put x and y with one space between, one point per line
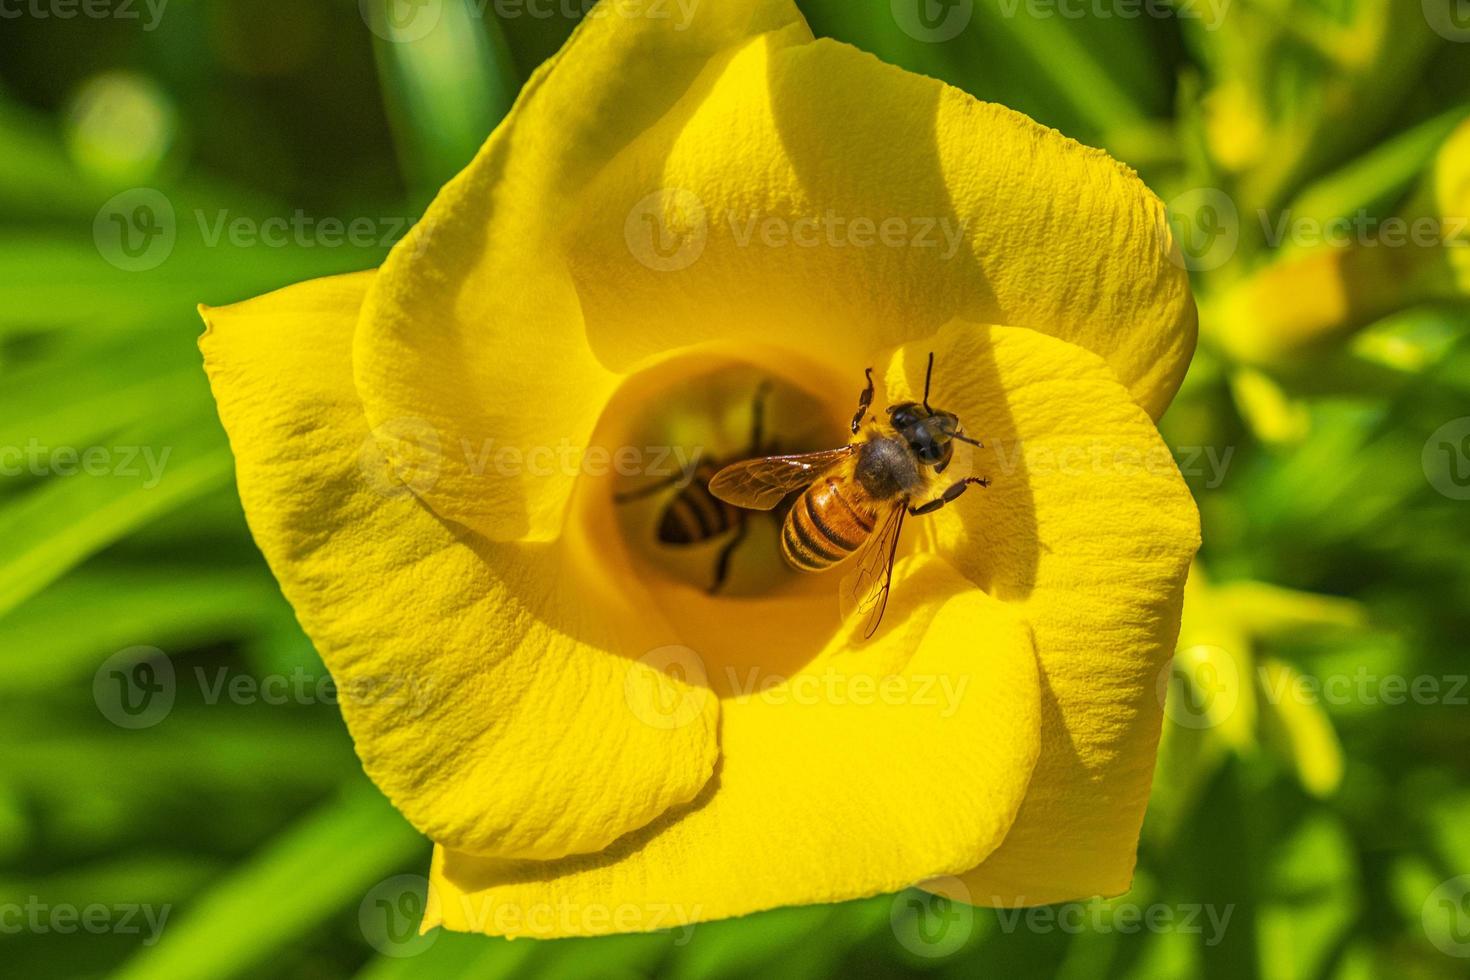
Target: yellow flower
501 640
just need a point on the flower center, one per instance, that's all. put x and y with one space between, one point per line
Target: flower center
687 420
685 569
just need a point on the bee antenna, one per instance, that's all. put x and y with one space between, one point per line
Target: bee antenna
928 377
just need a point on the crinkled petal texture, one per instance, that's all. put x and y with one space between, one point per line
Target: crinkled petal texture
503 713
656 187
652 201
488 710
1086 534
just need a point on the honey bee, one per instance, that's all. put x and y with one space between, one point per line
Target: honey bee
694 515
854 499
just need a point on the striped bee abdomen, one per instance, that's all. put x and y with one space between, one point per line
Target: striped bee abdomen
695 515
826 524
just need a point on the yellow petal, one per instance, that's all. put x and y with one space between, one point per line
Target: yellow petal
1087 532
475 677
473 323
649 126
808 190
848 779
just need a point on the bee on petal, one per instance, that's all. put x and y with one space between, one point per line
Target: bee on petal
854 499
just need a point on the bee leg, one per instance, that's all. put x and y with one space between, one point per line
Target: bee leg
722 565
865 401
949 496
627 497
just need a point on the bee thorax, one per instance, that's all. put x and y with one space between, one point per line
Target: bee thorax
886 468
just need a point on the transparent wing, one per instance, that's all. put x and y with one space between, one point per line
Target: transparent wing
759 484
865 589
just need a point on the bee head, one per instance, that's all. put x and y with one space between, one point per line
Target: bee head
929 432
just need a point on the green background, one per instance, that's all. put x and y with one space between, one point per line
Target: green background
1324 827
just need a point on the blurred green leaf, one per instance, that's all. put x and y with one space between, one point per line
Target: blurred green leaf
172 608
324 863
69 517
448 79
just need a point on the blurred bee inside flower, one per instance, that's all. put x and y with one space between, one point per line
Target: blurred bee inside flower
666 220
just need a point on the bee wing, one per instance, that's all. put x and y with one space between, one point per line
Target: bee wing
865 589
759 484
